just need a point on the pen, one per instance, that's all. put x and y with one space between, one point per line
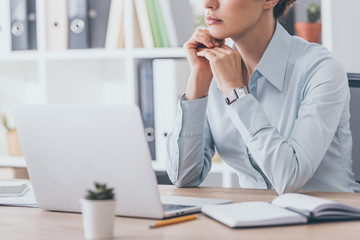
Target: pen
173 220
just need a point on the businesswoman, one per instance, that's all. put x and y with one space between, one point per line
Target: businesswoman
276 109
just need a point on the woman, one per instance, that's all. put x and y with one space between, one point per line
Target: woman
277 109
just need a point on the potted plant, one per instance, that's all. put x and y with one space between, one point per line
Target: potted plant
310 30
13 143
98 210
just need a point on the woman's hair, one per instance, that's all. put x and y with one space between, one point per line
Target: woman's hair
282 7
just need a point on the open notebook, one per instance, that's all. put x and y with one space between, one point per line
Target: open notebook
290 208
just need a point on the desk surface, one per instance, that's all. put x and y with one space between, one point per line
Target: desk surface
33 223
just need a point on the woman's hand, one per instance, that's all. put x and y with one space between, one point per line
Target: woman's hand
201 74
225 64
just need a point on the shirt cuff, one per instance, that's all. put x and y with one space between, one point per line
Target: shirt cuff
193 116
248 116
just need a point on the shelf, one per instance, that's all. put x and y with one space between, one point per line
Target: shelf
16 56
17 162
158 53
157 166
217 168
87 54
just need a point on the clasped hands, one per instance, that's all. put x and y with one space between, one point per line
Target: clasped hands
224 62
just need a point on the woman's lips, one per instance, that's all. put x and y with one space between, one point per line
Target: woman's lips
212 20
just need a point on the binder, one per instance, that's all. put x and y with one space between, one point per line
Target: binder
161 24
78 24
31 17
170 79
5 37
137 39
169 22
121 37
183 19
115 29
56 24
146 96
144 23
98 20
155 29
19 25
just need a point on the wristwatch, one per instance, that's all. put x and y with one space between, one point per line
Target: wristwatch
236 94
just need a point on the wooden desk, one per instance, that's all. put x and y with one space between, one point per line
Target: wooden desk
31 224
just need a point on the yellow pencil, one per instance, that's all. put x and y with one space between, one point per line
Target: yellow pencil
173 220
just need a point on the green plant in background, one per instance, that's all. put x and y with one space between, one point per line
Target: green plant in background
313 12
101 193
5 123
200 21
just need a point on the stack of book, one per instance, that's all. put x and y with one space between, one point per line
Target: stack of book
17 25
164 23
75 24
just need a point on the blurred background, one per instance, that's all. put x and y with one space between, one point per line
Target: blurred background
128 52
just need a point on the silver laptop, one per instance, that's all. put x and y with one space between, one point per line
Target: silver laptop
69 147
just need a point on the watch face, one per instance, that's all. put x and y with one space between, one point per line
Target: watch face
241 91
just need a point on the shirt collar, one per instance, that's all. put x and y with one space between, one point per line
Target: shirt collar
274 61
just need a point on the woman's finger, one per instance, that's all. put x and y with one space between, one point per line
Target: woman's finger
209 54
200 37
219 52
227 47
224 50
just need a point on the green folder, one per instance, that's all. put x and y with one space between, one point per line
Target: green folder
150 5
165 42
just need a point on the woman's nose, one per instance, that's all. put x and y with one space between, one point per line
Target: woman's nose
210 4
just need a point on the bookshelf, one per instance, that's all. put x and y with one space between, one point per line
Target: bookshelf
79 76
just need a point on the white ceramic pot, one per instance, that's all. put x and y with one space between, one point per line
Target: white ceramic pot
98 218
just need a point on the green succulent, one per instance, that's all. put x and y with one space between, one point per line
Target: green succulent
101 192
313 12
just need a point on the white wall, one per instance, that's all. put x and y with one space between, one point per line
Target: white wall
340 31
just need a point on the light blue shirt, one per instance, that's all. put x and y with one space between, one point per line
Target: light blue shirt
290 133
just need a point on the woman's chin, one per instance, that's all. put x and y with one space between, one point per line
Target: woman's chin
217 34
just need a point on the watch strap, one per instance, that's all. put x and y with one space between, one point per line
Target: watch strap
236 94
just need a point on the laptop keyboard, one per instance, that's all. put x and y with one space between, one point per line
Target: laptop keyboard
173 207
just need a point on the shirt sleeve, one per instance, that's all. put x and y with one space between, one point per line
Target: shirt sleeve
189 145
290 163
